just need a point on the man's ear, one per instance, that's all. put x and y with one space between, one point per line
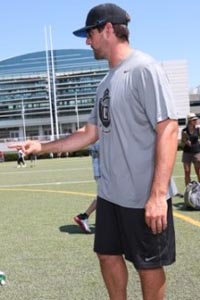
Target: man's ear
109 28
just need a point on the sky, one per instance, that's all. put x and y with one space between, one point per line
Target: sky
168 30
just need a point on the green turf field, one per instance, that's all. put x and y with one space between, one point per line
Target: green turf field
45 255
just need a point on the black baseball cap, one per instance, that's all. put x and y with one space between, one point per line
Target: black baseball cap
100 15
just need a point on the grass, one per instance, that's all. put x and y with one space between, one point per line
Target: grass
45 255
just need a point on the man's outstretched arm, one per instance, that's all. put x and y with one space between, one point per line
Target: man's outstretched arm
77 140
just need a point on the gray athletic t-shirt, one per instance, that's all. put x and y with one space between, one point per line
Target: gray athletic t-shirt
131 99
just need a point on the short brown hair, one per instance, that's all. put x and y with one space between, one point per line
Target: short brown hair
121 31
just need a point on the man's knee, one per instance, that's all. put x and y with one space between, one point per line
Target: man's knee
157 274
108 259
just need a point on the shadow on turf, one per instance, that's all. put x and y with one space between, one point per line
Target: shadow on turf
181 206
74 229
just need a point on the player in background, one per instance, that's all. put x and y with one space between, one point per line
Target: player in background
82 218
20 159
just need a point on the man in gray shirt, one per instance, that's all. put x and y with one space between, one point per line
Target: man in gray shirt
134 119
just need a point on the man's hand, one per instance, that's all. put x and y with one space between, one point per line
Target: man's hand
27 147
156 214
188 143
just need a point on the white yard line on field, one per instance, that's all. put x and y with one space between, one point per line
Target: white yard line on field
45 183
44 171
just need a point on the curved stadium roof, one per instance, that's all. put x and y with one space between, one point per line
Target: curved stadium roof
65 60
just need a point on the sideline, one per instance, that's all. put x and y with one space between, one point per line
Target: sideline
176 214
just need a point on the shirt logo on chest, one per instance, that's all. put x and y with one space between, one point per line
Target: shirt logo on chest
104 109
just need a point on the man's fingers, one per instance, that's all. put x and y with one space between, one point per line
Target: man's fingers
157 225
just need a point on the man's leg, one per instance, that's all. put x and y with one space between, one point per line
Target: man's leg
91 208
153 283
115 275
197 170
187 171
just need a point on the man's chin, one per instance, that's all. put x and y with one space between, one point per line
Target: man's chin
97 56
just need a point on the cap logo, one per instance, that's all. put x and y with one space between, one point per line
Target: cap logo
99 22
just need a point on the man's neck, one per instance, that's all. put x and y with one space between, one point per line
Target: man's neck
118 53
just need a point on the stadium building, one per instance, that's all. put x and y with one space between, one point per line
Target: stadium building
195 100
49 94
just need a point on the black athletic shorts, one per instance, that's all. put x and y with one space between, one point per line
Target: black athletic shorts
123 231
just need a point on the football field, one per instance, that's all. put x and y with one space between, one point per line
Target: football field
44 254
